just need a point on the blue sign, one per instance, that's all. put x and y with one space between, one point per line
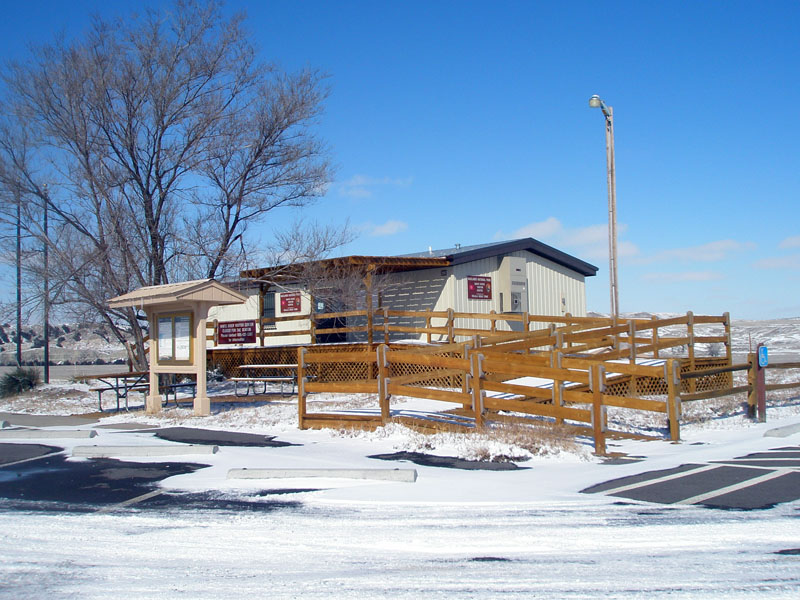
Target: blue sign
763 356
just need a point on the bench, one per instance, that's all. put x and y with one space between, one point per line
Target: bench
172 388
250 381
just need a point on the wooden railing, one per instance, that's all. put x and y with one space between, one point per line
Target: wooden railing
576 393
609 338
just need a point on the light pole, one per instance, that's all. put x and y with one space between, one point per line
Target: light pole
608 112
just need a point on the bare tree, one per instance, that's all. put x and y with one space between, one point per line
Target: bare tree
161 138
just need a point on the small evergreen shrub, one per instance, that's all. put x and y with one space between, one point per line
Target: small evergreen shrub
19 380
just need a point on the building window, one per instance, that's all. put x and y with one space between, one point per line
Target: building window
268 309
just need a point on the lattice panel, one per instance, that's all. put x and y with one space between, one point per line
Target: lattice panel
445 382
710 382
333 372
228 360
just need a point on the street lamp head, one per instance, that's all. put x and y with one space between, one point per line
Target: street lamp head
595 101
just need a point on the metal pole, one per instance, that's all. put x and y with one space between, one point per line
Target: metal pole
612 211
46 296
19 280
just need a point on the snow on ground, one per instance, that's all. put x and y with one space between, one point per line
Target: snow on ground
451 534
528 533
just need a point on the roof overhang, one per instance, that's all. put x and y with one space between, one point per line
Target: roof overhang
207 291
375 264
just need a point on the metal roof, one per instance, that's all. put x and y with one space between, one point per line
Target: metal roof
433 258
461 254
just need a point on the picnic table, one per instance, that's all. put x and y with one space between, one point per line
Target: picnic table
252 375
122 384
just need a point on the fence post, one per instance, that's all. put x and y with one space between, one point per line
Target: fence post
690 334
383 384
386 326
451 322
558 386
673 399
654 337
752 398
598 410
493 327
301 388
632 354
728 346
476 373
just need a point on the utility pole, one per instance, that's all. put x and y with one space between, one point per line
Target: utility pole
19 278
46 295
608 113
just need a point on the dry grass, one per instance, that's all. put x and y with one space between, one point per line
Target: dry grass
538 439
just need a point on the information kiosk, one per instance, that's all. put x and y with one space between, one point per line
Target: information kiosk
177 313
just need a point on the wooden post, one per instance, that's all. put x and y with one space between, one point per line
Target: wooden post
476 373
690 335
383 384
728 347
655 337
465 385
673 399
451 322
598 410
368 288
493 327
386 326
301 388
558 386
428 327
632 354
312 320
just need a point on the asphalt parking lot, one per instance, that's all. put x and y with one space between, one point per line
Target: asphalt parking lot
37 475
754 481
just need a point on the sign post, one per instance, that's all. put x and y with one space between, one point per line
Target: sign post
761 388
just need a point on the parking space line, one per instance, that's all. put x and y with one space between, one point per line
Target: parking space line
638 484
135 500
700 498
25 460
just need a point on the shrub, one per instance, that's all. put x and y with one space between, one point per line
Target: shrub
19 380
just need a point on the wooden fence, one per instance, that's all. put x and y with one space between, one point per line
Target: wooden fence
490 384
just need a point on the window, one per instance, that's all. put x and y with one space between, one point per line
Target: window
268 309
175 338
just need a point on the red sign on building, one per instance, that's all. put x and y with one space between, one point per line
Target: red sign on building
479 288
290 302
236 332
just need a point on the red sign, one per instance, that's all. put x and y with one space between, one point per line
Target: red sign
236 332
479 288
290 302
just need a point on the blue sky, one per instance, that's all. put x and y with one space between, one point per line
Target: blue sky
468 122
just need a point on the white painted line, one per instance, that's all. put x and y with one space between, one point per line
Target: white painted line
700 498
633 486
24 460
46 434
404 475
161 450
135 500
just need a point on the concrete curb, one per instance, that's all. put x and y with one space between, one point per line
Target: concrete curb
162 450
404 475
46 434
782 432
